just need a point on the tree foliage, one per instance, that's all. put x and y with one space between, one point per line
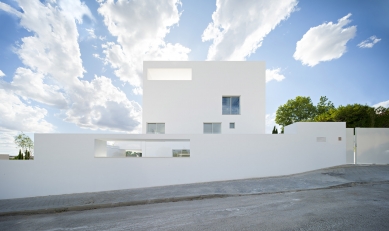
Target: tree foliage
24 142
295 110
324 105
355 115
382 117
275 131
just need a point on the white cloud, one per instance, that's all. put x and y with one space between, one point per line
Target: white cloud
100 105
324 42
91 33
274 74
9 9
2 73
29 84
17 116
239 27
52 55
140 28
369 43
382 104
75 9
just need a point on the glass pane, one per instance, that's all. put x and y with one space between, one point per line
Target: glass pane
176 153
207 128
217 128
151 128
161 128
235 106
232 125
185 153
226 105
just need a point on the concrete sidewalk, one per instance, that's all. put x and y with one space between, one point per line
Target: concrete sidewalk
341 176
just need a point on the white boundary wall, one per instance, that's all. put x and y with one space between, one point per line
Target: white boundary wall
66 163
372 145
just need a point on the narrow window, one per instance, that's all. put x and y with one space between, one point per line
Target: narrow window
212 128
181 153
231 105
232 125
155 128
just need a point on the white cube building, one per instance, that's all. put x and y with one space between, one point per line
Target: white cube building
202 97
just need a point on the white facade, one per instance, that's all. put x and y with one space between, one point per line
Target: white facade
185 95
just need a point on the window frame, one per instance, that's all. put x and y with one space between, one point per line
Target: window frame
212 127
156 128
230 106
233 125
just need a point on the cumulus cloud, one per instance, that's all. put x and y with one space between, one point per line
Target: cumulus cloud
52 55
29 84
2 73
17 116
324 42
140 28
239 27
274 74
382 104
369 43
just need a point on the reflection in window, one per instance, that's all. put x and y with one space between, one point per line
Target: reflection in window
156 128
231 105
181 153
212 128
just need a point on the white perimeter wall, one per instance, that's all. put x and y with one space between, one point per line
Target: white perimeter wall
66 163
372 145
184 105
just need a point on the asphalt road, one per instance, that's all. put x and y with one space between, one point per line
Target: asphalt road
361 207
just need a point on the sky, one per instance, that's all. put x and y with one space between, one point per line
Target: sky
71 66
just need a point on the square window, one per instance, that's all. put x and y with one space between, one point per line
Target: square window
232 125
212 128
155 128
231 105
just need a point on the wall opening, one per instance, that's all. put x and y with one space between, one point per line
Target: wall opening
142 148
169 74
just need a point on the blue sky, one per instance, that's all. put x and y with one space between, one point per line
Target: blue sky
75 66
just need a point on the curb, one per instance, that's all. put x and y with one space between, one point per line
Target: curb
173 199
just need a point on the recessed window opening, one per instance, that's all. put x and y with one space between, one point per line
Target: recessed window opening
230 105
169 74
155 128
181 153
212 128
142 148
232 125
320 139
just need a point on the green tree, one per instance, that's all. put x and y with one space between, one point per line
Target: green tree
24 142
324 105
381 117
355 115
295 110
274 130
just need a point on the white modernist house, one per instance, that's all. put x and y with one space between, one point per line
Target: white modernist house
211 113
203 97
